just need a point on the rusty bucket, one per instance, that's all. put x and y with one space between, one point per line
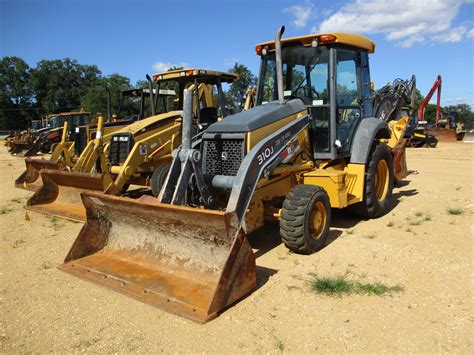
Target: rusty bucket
30 178
60 193
187 261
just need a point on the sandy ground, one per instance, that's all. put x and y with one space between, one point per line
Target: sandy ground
44 309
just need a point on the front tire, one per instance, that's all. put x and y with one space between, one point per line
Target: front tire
158 178
305 219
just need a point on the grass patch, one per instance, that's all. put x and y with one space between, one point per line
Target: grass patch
17 200
370 236
17 243
419 214
5 210
408 230
46 265
10 164
378 289
350 231
458 188
427 217
415 222
341 285
455 211
390 224
279 345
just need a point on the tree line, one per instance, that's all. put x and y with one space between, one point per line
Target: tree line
64 85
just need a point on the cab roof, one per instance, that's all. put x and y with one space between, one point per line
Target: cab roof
202 75
348 39
82 113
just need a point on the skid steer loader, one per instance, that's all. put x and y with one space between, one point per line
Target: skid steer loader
312 143
137 154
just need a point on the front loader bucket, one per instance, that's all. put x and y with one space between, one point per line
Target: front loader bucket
31 151
60 194
184 260
30 178
16 147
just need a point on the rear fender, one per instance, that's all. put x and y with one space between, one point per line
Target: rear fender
369 130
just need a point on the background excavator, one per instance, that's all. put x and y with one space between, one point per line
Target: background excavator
138 154
311 143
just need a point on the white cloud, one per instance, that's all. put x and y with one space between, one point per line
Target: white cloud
302 13
453 35
470 34
160 67
403 22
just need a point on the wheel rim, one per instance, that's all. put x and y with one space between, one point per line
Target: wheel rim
381 180
317 220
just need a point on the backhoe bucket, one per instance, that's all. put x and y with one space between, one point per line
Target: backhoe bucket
60 194
187 261
30 178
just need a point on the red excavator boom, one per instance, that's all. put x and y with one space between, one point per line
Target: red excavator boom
421 109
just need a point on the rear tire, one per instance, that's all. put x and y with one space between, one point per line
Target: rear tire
379 180
158 178
305 219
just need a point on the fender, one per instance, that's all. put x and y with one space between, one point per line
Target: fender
369 129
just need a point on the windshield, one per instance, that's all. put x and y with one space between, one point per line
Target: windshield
36 124
305 75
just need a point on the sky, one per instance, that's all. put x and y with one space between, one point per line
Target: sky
135 38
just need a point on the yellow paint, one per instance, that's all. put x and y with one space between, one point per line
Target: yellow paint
256 136
199 74
344 184
349 39
397 129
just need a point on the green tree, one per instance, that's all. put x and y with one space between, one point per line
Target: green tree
235 96
15 93
95 97
59 84
464 114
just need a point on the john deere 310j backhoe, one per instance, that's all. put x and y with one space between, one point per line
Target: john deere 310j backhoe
312 143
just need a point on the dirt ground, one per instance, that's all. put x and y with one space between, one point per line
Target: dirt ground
44 309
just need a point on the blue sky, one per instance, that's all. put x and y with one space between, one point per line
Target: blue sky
132 38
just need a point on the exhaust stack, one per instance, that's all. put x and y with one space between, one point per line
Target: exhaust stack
152 100
279 64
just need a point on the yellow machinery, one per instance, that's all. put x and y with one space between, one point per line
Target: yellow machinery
83 151
45 139
250 97
310 144
139 153
77 155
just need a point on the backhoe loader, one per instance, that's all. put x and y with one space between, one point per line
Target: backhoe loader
310 144
138 154
76 150
46 139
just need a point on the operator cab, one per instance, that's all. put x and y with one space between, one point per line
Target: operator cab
206 86
330 74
